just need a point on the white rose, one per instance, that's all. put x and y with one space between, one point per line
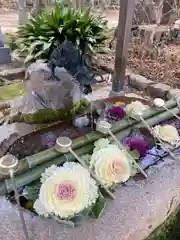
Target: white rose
111 165
167 133
69 191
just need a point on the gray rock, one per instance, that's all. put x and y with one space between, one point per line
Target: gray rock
45 91
158 90
173 92
139 82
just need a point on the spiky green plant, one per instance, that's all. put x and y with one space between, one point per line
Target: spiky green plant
42 33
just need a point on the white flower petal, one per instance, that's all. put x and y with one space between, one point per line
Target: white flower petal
167 133
40 209
101 143
135 107
86 191
111 165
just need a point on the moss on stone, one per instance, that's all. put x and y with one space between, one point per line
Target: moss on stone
50 115
169 230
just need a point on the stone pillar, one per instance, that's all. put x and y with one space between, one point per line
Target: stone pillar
124 31
5 54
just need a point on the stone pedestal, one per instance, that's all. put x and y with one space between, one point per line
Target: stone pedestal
5 55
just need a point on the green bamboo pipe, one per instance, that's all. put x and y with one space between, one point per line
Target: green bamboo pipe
34 174
45 156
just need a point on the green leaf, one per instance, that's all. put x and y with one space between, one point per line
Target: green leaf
46 46
83 28
86 158
29 58
134 154
31 191
99 207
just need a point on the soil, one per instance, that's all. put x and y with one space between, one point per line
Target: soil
165 68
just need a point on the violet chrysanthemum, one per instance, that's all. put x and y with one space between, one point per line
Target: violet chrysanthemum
139 144
115 113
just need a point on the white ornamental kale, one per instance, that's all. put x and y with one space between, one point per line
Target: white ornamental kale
49 172
101 143
135 107
111 165
167 133
67 192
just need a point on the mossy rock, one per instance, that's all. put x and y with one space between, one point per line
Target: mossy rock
169 230
50 115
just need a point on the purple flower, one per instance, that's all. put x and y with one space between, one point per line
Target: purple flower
177 124
139 144
115 113
125 140
48 139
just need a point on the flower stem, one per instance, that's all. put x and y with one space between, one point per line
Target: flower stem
92 173
132 159
19 206
155 135
168 110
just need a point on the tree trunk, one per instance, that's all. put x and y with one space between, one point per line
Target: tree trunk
168 13
38 5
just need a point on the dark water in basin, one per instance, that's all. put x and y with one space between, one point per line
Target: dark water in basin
43 139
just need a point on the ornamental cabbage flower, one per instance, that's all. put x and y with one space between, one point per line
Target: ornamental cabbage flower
49 172
67 192
111 165
115 113
101 143
167 133
139 144
135 107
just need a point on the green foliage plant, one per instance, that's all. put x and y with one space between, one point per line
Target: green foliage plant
43 32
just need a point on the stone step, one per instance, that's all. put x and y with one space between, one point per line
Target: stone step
12 73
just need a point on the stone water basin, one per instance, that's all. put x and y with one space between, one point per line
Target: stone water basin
33 141
141 196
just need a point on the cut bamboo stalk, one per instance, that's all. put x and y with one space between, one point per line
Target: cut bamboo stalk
35 173
105 128
160 103
47 155
63 145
